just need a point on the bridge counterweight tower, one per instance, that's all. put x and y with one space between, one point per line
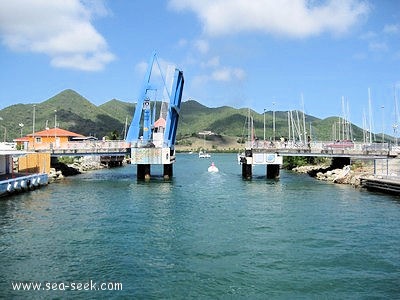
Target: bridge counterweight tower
157 142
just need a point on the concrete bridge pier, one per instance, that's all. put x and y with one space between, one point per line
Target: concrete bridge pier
273 171
247 164
143 171
168 171
247 170
272 161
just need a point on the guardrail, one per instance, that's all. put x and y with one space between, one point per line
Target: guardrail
80 147
329 148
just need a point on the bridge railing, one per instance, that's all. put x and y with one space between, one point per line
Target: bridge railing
325 147
84 146
387 168
259 144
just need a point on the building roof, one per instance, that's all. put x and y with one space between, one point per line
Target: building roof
21 139
56 132
160 123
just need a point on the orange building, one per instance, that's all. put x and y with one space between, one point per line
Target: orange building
46 139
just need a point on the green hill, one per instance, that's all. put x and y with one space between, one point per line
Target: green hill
72 112
119 109
77 114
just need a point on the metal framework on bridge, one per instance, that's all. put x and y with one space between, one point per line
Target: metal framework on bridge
153 141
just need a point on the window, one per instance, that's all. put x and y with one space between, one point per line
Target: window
38 139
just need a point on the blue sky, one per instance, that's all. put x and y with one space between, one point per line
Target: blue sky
238 53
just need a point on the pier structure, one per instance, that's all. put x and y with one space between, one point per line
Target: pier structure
271 154
153 141
253 157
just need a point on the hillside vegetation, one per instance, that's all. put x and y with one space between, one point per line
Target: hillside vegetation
76 113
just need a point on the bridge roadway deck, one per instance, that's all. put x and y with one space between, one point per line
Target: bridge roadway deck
118 148
327 153
357 151
101 148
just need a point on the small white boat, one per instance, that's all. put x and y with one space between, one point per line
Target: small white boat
213 168
204 154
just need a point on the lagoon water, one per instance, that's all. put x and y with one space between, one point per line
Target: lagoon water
201 235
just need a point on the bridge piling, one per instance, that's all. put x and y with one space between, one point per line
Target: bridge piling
247 171
259 157
273 171
143 171
168 171
247 164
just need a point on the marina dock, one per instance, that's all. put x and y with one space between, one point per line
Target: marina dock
386 185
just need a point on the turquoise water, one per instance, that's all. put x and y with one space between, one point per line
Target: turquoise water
201 235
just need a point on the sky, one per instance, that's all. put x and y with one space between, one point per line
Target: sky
263 54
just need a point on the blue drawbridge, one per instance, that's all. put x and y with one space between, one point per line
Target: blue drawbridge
153 140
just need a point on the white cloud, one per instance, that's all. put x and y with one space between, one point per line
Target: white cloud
378 46
141 67
391 29
60 29
368 35
182 43
221 74
228 74
212 62
202 46
238 73
294 18
162 69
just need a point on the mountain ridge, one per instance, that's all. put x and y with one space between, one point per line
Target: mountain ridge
74 112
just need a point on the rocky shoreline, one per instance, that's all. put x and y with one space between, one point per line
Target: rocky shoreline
347 175
79 166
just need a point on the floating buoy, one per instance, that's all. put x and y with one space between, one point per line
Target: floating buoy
212 168
10 188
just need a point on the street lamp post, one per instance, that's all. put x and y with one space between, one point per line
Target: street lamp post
33 126
264 123
55 127
273 120
22 126
383 124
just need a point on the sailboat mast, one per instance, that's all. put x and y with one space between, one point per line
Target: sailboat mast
288 118
396 114
349 129
298 126
343 119
293 127
304 119
364 122
370 115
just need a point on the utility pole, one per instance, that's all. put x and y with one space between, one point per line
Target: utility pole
33 125
273 120
55 127
264 123
383 124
